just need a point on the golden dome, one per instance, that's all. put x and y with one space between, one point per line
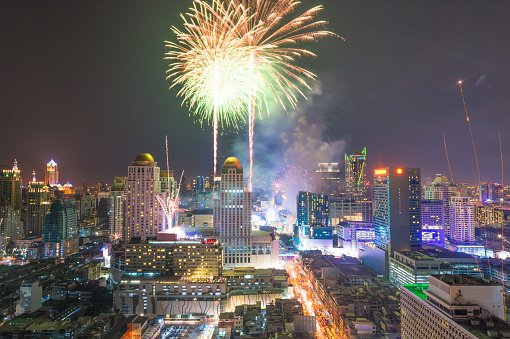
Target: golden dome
232 162
144 157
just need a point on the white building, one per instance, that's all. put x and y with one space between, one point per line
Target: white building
441 189
30 297
143 213
462 213
232 216
51 177
453 306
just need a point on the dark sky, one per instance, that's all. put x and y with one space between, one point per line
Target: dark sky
85 81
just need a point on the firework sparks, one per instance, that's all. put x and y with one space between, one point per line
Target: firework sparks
210 62
170 203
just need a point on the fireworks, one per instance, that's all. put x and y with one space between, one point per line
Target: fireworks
234 55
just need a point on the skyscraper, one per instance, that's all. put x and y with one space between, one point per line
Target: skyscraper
312 209
355 173
462 213
441 189
10 187
38 203
328 175
232 216
61 229
116 205
143 213
51 177
397 208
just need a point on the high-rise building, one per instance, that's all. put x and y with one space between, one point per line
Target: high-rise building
397 208
51 177
441 189
462 213
116 206
453 306
413 267
30 297
232 216
490 191
143 216
10 187
38 204
312 209
61 229
355 173
200 184
328 175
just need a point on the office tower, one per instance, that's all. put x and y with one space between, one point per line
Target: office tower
143 213
200 184
328 175
355 173
397 209
30 297
10 187
87 207
453 306
441 189
51 177
117 201
38 203
413 267
348 208
432 222
61 229
312 209
232 216
462 212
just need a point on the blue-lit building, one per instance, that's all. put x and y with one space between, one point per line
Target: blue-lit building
200 184
61 229
312 209
433 222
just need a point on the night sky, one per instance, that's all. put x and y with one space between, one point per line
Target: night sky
84 81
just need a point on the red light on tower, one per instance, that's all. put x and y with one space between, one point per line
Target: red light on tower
399 170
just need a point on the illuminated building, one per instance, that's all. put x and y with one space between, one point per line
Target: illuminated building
116 206
169 256
413 267
486 214
313 211
355 173
350 209
232 216
171 295
441 189
200 187
433 222
143 216
51 177
397 208
10 187
462 212
38 203
453 306
397 216
490 191
328 175
61 229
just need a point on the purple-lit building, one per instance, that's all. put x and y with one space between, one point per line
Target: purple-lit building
433 222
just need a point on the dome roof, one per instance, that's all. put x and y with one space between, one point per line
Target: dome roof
232 162
144 157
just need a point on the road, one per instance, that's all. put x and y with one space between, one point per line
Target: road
312 305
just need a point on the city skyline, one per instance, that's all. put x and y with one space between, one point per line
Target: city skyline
92 77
